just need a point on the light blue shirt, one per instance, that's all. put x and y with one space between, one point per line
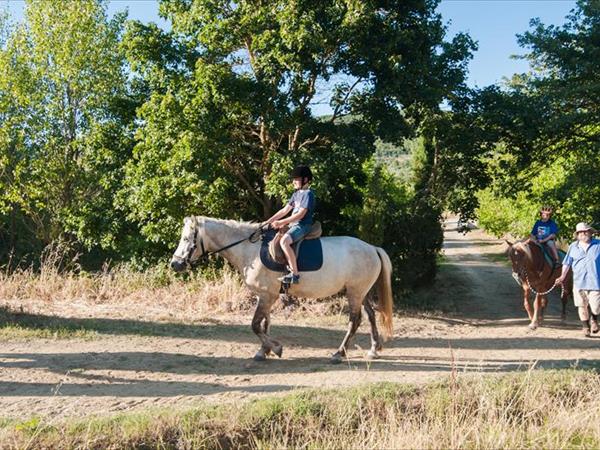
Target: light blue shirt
304 198
585 265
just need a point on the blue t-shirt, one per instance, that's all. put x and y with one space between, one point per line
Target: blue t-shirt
541 229
585 265
304 198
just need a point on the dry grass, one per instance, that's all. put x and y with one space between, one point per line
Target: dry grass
124 285
47 302
57 304
536 409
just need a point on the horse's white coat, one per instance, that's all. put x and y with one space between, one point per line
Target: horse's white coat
348 263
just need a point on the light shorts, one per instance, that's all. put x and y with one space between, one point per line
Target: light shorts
584 297
297 231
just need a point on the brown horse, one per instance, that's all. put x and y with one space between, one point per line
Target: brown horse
534 274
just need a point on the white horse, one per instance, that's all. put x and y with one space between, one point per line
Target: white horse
348 263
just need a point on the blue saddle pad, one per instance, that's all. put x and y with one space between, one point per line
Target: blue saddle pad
548 257
309 259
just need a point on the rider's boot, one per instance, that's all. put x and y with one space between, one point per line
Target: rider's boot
290 278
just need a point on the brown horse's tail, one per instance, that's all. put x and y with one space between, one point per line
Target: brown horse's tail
384 293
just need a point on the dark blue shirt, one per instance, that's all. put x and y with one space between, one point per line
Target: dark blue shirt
541 229
304 198
585 265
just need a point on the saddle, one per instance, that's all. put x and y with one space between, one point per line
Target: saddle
548 256
309 253
275 251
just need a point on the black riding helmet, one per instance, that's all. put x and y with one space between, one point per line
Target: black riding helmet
303 172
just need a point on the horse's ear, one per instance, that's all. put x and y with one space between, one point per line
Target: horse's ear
191 220
510 244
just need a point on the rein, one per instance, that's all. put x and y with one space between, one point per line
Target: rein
252 238
542 293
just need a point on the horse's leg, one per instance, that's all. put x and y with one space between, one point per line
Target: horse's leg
355 316
537 302
526 304
265 325
543 305
375 339
260 326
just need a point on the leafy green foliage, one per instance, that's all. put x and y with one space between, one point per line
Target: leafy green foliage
534 142
549 151
229 118
65 126
111 131
405 223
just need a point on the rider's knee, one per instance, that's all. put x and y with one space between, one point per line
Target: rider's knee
286 241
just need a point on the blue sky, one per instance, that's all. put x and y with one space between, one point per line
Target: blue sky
493 23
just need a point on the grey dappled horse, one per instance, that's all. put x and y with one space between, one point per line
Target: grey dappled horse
348 263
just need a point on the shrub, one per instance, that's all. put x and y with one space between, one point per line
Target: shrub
406 224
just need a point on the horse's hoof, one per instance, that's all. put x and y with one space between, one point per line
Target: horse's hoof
533 326
278 350
336 358
260 356
372 355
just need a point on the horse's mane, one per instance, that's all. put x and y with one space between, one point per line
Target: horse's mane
236 224
526 247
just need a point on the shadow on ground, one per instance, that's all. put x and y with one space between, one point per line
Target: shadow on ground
77 367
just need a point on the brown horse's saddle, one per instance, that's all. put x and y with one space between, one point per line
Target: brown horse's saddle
275 250
548 256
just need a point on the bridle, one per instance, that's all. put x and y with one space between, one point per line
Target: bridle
205 254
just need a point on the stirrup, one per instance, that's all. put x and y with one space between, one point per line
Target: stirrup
290 278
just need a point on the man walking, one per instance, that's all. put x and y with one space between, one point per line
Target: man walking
583 257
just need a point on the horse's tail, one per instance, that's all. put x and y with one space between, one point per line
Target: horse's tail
384 293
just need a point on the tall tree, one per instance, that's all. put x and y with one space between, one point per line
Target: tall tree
65 121
234 86
537 139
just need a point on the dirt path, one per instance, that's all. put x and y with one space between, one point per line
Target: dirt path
182 365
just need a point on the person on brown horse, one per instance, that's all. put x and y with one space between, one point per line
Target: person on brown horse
301 205
544 232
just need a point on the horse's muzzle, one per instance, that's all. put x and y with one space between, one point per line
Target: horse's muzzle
178 266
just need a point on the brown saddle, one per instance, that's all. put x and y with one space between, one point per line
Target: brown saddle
275 250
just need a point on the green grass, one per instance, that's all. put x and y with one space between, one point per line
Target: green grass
23 326
16 332
535 409
501 258
17 325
